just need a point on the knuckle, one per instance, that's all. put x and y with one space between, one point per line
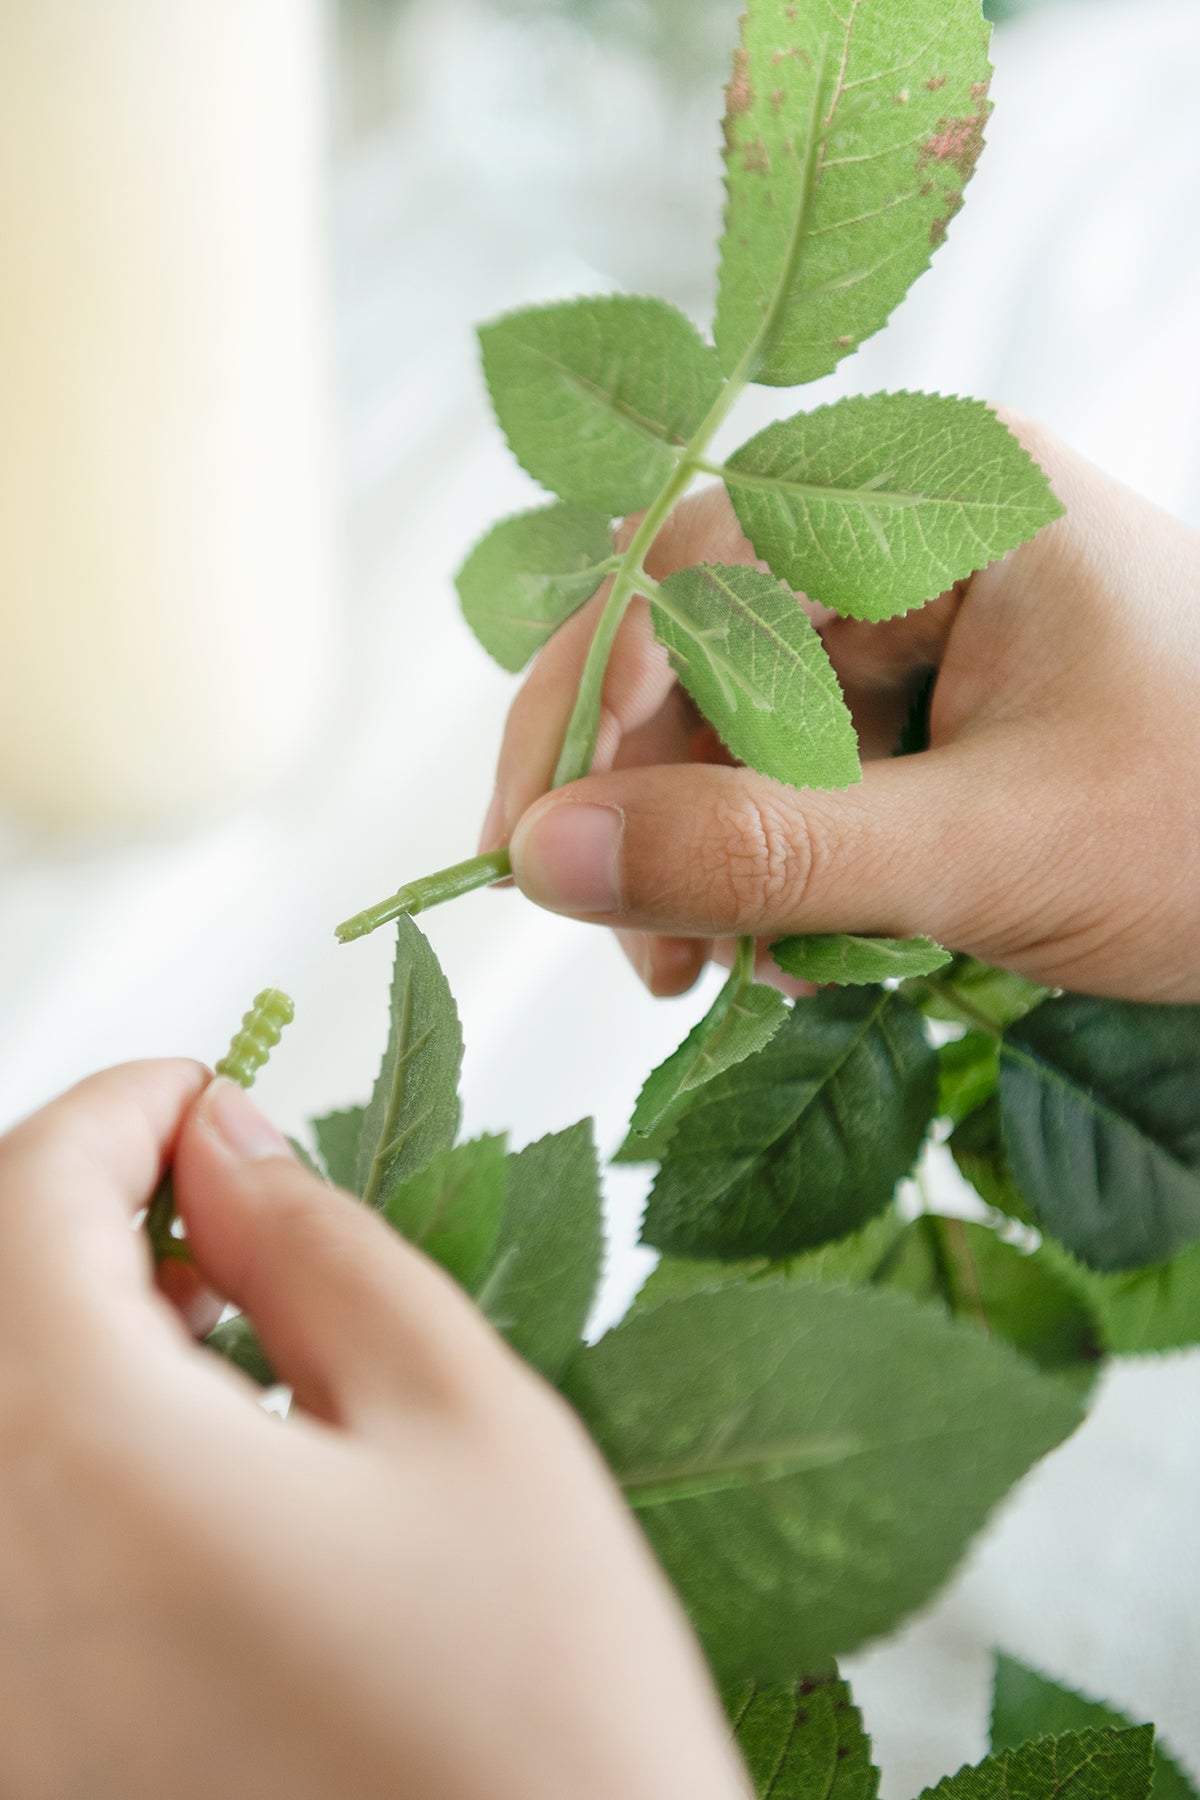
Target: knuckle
761 862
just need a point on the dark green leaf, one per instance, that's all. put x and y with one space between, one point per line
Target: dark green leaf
529 574
452 1208
977 1146
849 137
857 960
968 1075
413 1112
1029 1706
338 1135
1100 1102
803 1142
1079 1765
742 1019
809 1461
803 1741
596 396
756 667
547 1260
876 504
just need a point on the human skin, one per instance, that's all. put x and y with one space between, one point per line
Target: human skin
1053 826
424 1584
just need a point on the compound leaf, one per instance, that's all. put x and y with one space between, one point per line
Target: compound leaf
853 961
876 504
596 396
850 134
337 1136
756 667
1026 1706
531 573
546 1264
803 1142
1101 1114
803 1741
452 1208
809 1461
1079 1765
413 1112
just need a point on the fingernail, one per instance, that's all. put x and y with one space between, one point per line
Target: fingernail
568 857
492 834
239 1124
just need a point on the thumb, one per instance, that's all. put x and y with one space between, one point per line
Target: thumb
355 1320
710 851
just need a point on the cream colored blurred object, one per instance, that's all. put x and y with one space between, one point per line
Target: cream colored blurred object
166 615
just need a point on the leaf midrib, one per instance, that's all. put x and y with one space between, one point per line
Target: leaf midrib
656 433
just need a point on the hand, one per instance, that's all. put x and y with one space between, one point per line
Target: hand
423 1584
1053 827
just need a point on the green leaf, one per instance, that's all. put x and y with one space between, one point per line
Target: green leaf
850 134
742 1019
973 993
236 1340
803 1741
1028 1706
757 669
452 1208
413 1112
548 1256
1007 1293
337 1136
1079 1765
876 504
597 396
856 960
809 1461
977 1146
968 1075
1145 1313
531 573
803 1142
1101 1110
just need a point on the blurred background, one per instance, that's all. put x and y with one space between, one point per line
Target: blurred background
243 447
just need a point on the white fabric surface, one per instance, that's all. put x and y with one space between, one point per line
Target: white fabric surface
1070 288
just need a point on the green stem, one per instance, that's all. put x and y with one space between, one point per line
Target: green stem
430 890
743 966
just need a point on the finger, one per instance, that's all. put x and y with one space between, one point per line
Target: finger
669 966
352 1318
709 851
74 1175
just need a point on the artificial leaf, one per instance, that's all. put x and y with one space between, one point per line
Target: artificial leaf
974 993
236 1340
453 1206
850 134
809 1461
804 1740
856 960
338 1135
1027 1705
803 1142
1101 1115
742 1019
855 1261
968 1075
413 1112
977 1146
1078 1765
1011 1294
529 574
756 667
547 1259
876 504
596 397
1145 1312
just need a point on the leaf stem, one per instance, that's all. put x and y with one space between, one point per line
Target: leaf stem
430 890
743 963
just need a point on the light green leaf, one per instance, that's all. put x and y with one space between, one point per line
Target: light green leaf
977 1146
1079 1765
968 1075
803 1142
742 1019
1144 1313
757 669
452 1208
1101 1112
596 396
1028 1706
413 1112
853 961
803 1741
876 504
973 993
850 134
531 573
809 1461
547 1259
337 1136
